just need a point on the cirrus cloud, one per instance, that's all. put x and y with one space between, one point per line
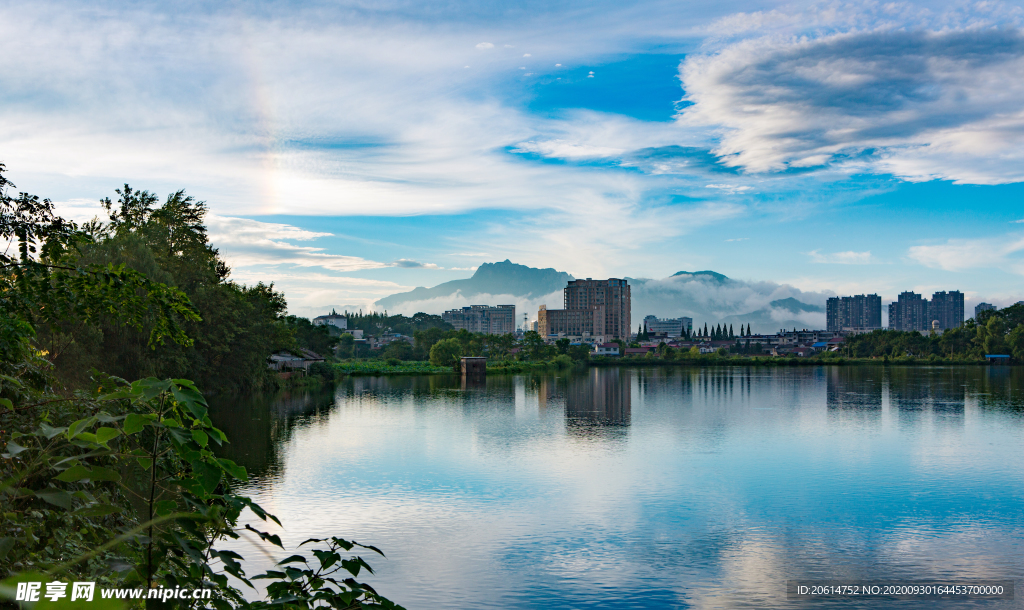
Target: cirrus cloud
918 104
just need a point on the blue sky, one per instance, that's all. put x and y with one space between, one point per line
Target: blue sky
351 150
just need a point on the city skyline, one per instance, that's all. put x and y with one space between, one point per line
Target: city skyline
348 153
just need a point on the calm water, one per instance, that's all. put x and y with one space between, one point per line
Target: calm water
650 488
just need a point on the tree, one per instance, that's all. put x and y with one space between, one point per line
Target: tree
748 329
346 345
705 329
731 334
447 352
562 345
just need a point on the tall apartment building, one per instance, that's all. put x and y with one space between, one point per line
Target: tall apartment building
909 312
592 308
612 294
582 322
500 320
980 307
669 327
862 312
947 308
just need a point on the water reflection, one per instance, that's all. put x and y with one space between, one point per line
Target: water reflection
601 397
657 487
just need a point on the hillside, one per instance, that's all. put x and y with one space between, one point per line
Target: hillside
504 278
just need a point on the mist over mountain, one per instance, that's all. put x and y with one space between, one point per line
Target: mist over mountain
492 284
710 297
706 296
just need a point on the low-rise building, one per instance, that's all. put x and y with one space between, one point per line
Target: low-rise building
606 349
284 360
331 319
668 327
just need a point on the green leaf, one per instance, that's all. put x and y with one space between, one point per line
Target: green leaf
81 473
145 462
50 432
98 510
6 403
201 438
105 435
75 473
134 423
209 475
79 426
233 469
192 400
14 449
57 497
292 559
166 507
6 544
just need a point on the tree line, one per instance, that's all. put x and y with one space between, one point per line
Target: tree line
120 483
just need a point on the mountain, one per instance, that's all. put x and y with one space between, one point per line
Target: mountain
504 278
702 275
781 313
711 297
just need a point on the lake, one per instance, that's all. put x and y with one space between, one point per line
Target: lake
661 487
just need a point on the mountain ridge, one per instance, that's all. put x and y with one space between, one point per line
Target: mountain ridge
504 277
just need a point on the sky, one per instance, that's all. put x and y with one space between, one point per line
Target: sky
352 150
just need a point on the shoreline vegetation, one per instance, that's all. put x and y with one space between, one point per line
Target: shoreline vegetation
372 367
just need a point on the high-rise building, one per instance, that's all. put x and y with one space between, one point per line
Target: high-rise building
980 307
612 294
947 308
592 308
582 322
669 327
909 312
500 320
859 313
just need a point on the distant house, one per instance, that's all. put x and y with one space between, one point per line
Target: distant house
997 358
606 349
331 319
287 361
636 351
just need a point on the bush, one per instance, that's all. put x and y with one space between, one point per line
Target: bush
321 369
563 361
446 352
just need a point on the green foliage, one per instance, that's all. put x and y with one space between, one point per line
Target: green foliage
104 296
134 495
316 338
384 367
447 353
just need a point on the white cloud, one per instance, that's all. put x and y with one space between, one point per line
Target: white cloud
963 254
738 239
245 243
565 150
411 264
841 258
485 45
732 189
892 98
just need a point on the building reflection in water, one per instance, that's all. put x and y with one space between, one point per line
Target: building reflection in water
940 390
598 401
855 388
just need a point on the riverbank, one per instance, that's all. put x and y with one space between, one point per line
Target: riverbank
411 367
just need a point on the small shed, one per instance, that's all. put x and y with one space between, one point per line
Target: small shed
997 358
474 365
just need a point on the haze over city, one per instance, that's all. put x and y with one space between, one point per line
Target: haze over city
352 151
